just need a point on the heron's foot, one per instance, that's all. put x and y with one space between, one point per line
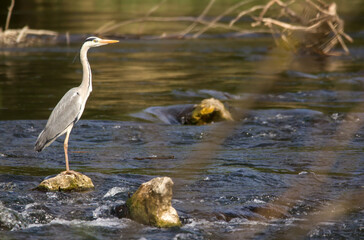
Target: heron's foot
68 172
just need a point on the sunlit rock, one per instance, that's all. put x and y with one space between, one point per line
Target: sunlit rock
67 181
208 111
151 204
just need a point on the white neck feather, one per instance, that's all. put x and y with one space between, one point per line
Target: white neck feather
86 69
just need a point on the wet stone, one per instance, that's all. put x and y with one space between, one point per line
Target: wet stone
151 204
209 111
67 181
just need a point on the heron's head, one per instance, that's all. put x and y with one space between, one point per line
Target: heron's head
97 42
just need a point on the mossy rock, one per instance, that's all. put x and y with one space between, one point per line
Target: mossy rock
208 111
67 181
151 204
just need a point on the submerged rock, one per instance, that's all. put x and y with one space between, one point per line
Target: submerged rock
67 181
151 204
209 110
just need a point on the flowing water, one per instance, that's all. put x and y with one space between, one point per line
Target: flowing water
300 131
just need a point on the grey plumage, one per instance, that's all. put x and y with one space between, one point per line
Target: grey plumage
66 113
70 108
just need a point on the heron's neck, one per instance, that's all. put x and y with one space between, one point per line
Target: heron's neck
86 69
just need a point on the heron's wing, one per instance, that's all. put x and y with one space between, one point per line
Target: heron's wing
66 113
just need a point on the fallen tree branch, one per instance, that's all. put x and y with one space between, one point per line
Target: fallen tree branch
12 37
29 31
287 26
309 25
319 27
339 38
21 34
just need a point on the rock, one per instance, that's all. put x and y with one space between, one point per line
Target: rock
209 110
67 181
151 204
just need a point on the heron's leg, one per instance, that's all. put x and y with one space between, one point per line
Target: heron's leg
65 145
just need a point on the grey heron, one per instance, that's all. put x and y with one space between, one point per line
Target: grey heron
70 108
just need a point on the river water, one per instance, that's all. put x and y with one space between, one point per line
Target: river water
294 149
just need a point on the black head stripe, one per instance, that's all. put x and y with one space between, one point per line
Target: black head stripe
90 39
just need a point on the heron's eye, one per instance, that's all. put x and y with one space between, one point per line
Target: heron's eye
95 40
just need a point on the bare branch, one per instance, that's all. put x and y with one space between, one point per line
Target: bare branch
265 9
194 24
317 29
229 10
9 14
331 10
172 19
22 34
319 32
243 13
104 26
153 9
288 26
338 37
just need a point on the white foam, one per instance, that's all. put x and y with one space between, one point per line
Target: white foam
30 205
115 190
52 195
254 223
258 201
100 222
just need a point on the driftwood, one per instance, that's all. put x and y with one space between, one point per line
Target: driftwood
315 28
24 36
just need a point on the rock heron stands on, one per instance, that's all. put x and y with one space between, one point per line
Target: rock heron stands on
69 110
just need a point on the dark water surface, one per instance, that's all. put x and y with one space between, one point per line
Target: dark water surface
302 132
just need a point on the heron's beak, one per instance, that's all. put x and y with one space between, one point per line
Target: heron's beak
107 41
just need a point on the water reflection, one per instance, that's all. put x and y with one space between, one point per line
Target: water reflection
225 174
135 75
